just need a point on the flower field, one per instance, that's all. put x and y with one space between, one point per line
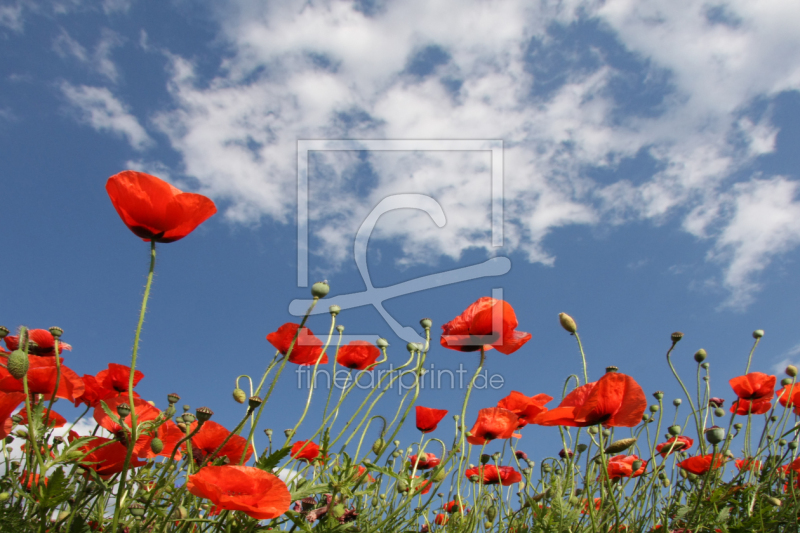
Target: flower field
631 461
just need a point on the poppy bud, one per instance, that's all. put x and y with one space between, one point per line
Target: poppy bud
581 448
719 412
426 323
340 329
173 398
63 515
757 334
666 482
423 457
4 496
677 402
396 454
485 458
567 322
320 289
156 445
645 417
737 426
474 478
182 426
382 343
705 366
21 433
289 433
402 486
674 430
658 395
3 332
521 455
9 439
123 410
716 402
412 346
620 445
774 501
636 465
17 419
676 336
254 401
715 434
378 446
239 395
593 430
792 445
439 474
782 442
334 310
654 408
491 513
56 331
786 381
729 454
396 443
17 364
607 432
791 371
566 452
700 355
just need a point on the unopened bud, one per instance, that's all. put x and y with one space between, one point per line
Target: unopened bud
792 445
737 426
239 395
674 430
654 408
426 323
700 355
620 445
340 329
567 322
677 402
382 343
719 412
757 334
485 458
156 445
378 446
791 371
17 364
581 448
786 381
636 465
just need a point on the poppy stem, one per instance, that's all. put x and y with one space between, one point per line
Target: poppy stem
464 416
688 397
750 357
583 358
132 442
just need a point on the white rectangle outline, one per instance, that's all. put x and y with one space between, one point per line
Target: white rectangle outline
304 146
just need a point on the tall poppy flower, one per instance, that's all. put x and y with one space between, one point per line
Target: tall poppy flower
106 457
42 373
453 506
307 348
169 433
304 450
622 466
155 210
116 377
43 343
428 418
492 475
615 400
753 407
487 324
441 519
747 464
426 462
55 420
701 464
210 436
144 412
493 423
789 395
526 408
358 355
256 493
675 444
8 402
753 386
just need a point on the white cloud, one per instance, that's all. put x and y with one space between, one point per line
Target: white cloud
98 108
11 16
99 60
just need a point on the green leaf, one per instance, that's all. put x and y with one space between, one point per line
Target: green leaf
310 490
299 520
270 462
55 492
384 470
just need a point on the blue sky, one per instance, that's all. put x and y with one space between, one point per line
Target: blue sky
650 179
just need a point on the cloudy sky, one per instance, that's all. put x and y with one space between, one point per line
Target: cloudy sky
649 177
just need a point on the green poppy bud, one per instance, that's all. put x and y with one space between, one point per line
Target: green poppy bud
719 412
715 435
378 446
426 323
674 430
157 445
654 408
581 448
382 343
17 364
791 371
567 322
239 395
700 355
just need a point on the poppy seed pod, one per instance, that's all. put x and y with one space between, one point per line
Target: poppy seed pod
677 402
173 398
188 418
4 332
705 366
334 310
715 434
320 289
792 445
123 410
426 323
485 458
56 331
676 336
737 426
268 433
17 364
581 448
340 329
610 369
757 334
567 322
654 408
239 396
700 355
254 401
786 381
382 343
674 430
136 509
791 371
658 395
156 445
186 407
289 433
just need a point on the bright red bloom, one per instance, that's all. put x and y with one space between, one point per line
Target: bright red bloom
309 452
430 461
701 464
441 519
144 412
55 420
116 377
211 436
526 408
753 386
754 407
421 486
169 433
597 503
45 343
42 379
681 444
747 464
478 327
716 402
622 466
256 493
358 355
789 395
615 400
493 423
8 402
28 480
360 473
307 348
155 210
428 418
453 506
106 460
492 475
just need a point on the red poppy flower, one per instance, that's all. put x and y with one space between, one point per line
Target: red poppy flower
701 464
747 464
55 420
753 386
755 407
210 436
716 402
361 471
427 462
526 408
8 402
169 433
428 418
106 460
358 355
622 466
116 377
492 475
597 503
615 400
28 480
493 423
441 519
307 348
45 343
42 379
256 493
789 395
453 506
308 453
155 210
420 486
681 444
487 323
144 412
